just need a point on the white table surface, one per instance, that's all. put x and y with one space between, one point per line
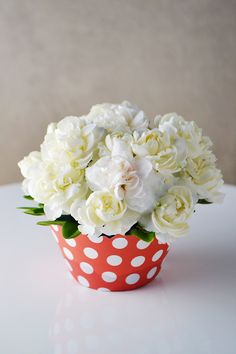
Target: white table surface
190 308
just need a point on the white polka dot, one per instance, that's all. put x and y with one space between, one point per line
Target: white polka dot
68 265
83 281
95 239
68 253
157 255
141 245
151 272
103 289
90 253
109 277
132 278
119 243
55 227
114 260
137 261
86 267
71 242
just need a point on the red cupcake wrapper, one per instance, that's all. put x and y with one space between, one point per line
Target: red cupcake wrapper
111 264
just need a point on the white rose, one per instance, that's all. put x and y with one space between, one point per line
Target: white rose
204 178
123 117
173 211
177 126
103 213
167 153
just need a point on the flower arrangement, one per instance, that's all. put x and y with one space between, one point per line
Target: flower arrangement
109 173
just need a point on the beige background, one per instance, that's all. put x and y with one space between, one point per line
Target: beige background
60 57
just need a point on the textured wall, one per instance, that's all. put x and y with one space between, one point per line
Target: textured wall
60 57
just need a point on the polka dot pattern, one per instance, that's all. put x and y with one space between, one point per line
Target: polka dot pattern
151 272
86 268
141 245
114 260
68 253
71 242
68 265
83 281
137 261
90 252
103 289
112 263
109 277
119 243
132 278
95 239
157 256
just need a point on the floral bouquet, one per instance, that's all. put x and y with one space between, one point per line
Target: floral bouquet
116 191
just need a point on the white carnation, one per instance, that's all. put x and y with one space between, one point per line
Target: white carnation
71 140
117 143
103 213
167 153
177 126
172 212
54 185
132 180
204 178
55 176
123 117
110 170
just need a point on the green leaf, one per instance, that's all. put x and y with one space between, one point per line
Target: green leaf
203 201
27 208
32 210
144 235
50 222
70 229
28 197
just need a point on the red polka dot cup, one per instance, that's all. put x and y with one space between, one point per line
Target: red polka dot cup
111 263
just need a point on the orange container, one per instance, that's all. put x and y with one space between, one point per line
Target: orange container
111 263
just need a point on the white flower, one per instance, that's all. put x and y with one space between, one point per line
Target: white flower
173 211
54 185
55 176
167 153
133 180
110 170
116 144
204 178
123 117
103 213
71 140
30 165
177 126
